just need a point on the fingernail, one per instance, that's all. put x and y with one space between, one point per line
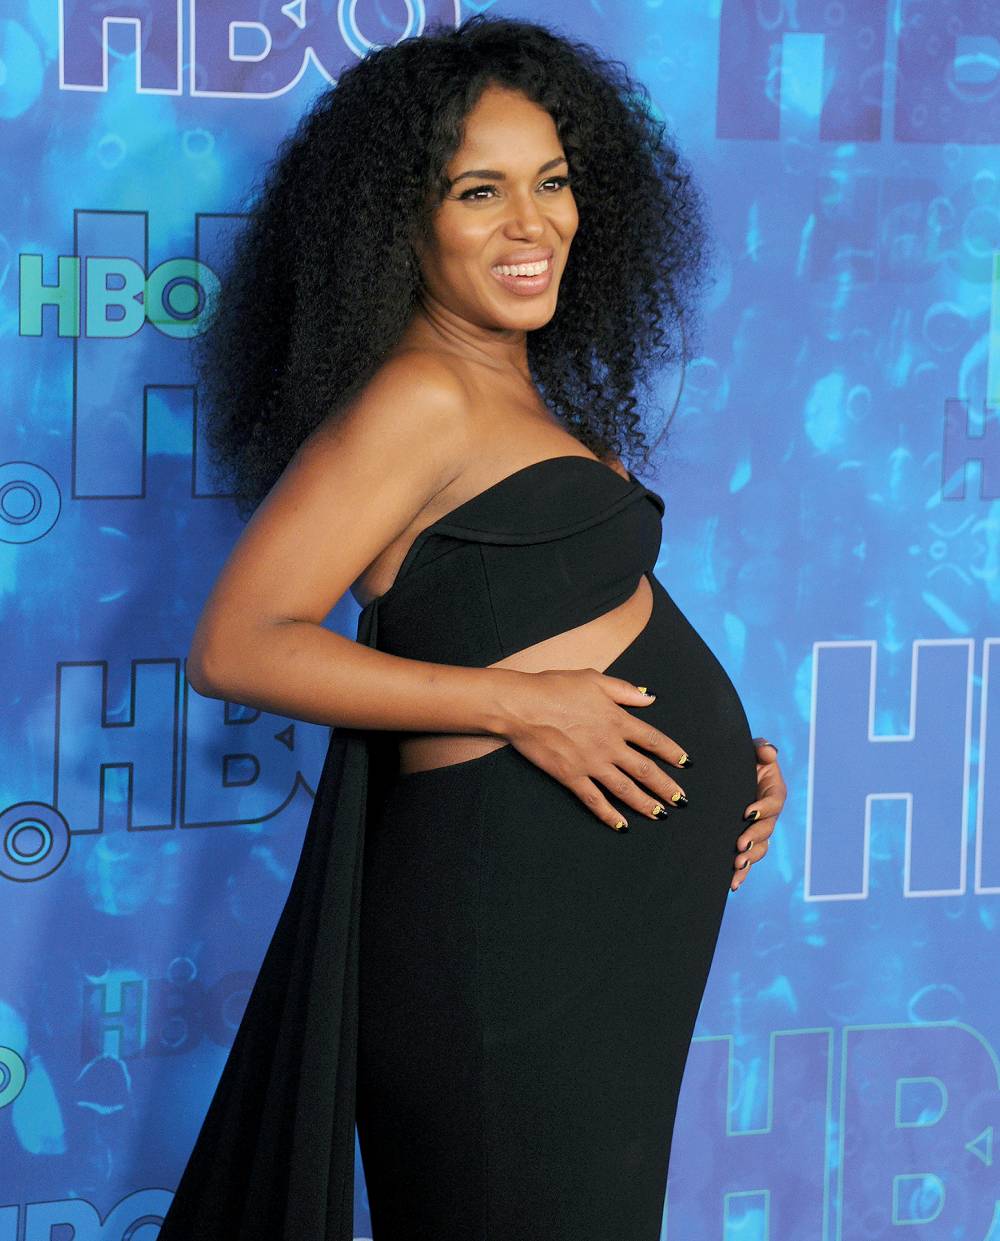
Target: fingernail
679 798
643 690
620 826
659 812
744 865
752 817
772 745
684 760
747 847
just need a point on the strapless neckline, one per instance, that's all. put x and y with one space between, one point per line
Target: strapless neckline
452 519
519 473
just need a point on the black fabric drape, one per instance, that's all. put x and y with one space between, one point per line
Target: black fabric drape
274 1159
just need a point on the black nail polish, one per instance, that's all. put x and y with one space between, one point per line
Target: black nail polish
686 762
680 801
745 864
662 813
752 817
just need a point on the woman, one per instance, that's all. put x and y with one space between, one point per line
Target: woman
494 949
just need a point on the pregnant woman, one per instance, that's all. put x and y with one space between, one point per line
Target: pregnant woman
421 372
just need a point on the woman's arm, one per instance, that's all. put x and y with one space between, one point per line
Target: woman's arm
352 488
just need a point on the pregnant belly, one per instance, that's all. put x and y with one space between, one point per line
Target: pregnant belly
649 641
591 645
697 705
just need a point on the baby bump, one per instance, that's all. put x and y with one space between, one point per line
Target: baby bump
497 863
593 644
646 640
696 705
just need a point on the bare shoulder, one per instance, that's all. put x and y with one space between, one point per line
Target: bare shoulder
353 486
415 402
402 439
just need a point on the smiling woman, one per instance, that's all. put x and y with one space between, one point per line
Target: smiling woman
420 372
508 233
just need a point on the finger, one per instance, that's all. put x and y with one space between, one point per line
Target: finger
742 871
761 812
763 743
595 801
759 829
744 853
625 692
744 844
621 785
770 784
749 852
638 732
657 787
768 805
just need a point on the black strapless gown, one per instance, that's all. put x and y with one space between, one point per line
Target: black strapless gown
496 986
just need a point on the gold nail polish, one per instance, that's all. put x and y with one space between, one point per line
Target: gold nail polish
684 760
641 689
620 826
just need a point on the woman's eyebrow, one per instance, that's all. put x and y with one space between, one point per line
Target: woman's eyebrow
497 175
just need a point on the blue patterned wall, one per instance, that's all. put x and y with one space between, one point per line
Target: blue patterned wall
832 529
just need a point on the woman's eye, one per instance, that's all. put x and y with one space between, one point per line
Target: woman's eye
467 194
473 193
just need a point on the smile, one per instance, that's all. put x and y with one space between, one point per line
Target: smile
524 278
522 269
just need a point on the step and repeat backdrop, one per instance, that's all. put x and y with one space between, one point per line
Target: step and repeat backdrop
832 481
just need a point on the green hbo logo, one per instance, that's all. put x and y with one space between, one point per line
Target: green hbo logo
112 298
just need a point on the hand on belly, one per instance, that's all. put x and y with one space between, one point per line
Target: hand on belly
595 644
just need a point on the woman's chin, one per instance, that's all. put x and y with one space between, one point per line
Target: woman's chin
524 317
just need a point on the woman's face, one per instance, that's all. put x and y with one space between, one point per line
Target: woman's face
509 204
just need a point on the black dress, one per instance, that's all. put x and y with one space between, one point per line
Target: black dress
496 986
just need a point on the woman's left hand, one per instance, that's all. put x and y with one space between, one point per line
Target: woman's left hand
771 794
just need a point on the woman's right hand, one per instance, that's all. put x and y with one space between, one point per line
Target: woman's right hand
569 722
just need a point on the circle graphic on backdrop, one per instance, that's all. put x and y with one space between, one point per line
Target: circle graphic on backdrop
13 1075
34 841
29 502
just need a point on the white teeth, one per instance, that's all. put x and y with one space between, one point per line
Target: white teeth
522 269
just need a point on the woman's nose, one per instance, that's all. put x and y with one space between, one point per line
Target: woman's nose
525 218
526 224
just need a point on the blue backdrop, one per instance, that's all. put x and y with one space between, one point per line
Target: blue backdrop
832 530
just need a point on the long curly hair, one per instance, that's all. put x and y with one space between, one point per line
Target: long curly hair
321 278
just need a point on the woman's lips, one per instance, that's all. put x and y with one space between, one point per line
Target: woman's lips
526 286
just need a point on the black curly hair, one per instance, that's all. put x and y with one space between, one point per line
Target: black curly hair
320 281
